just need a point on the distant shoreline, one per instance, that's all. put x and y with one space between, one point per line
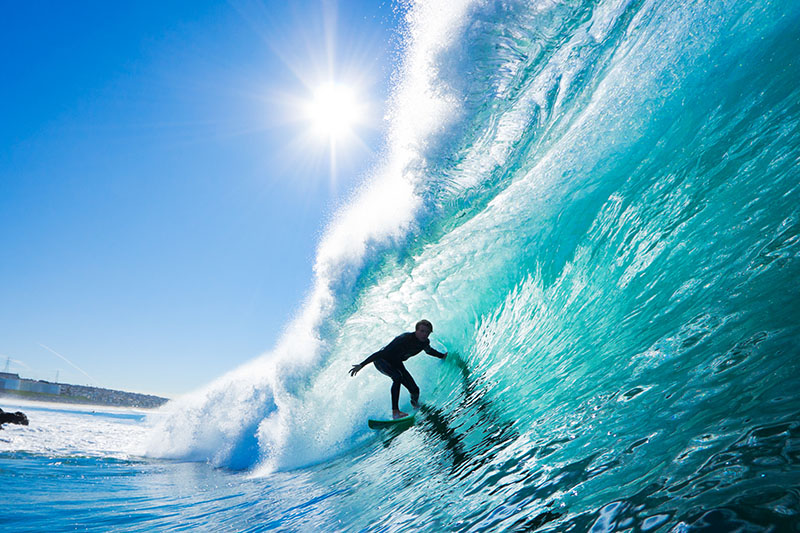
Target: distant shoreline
82 395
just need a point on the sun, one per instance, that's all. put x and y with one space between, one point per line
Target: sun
333 119
334 112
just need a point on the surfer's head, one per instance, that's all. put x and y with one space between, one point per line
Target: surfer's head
423 329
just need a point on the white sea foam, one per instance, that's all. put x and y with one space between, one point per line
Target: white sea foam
65 430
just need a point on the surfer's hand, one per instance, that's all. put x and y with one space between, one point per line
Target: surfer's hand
355 369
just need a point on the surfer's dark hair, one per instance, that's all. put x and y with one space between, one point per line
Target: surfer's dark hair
426 323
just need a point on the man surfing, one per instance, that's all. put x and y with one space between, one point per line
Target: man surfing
389 362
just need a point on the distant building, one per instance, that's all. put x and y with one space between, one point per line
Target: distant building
14 382
65 392
9 381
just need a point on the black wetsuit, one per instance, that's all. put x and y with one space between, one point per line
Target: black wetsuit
389 362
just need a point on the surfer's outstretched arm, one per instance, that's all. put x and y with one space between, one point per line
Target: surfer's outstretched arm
435 353
365 362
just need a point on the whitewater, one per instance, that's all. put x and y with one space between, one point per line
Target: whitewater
597 204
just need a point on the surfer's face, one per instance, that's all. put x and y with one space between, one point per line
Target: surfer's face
422 333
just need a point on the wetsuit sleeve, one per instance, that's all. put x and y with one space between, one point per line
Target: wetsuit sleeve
372 358
431 351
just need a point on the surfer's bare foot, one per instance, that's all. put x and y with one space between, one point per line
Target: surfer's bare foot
398 414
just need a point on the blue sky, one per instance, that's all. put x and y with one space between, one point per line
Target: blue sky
161 197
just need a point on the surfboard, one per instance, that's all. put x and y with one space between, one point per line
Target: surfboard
396 422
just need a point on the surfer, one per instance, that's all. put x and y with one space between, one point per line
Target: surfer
389 362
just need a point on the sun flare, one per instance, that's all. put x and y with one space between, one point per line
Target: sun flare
334 111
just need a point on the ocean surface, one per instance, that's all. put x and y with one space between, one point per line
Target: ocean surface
597 204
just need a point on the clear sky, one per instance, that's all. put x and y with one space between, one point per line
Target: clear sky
163 184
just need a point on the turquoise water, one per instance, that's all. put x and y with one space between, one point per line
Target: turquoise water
597 204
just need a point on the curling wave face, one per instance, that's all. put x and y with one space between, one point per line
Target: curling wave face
597 204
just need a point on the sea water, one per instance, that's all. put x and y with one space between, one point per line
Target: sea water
597 204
